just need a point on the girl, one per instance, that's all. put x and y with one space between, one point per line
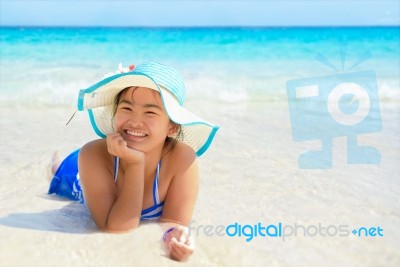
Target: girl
145 167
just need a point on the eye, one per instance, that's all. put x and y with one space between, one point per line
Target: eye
150 113
125 108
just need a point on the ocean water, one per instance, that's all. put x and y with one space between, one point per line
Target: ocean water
236 78
48 66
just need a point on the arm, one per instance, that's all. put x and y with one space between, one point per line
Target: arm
182 192
178 207
112 211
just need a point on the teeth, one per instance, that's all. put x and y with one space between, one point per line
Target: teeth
135 133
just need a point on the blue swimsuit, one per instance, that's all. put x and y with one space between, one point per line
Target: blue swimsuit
66 183
154 212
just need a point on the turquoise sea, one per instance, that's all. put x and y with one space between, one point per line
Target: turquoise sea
47 66
237 78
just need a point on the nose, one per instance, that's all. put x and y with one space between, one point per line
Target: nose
135 120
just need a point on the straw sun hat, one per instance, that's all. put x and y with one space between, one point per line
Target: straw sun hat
98 99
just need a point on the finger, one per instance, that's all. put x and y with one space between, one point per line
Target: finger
175 252
180 254
113 136
173 240
122 143
186 249
175 244
115 144
183 249
182 237
190 242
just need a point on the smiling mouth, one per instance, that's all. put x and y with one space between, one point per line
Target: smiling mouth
137 134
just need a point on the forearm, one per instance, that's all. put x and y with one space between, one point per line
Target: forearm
125 213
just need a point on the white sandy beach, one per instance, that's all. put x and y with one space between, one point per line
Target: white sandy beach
249 175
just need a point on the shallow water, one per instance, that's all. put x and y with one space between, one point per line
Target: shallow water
236 79
46 66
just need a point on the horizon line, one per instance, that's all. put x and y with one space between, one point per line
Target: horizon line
201 26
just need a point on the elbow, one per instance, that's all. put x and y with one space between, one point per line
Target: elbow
120 228
116 231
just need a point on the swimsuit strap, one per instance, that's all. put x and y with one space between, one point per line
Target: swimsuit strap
156 197
116 168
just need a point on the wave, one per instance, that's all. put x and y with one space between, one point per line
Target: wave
229 90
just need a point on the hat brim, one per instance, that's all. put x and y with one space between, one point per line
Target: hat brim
99 101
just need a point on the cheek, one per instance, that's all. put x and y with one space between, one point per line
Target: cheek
160 126
118 120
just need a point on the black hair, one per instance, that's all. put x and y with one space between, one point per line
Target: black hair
170 142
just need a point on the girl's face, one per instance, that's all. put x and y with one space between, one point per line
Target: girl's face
141 119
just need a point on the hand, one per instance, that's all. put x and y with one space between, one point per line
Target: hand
179 243
117 146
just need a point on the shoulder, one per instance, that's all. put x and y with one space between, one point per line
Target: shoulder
94 153
183 152
181 158
95 147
